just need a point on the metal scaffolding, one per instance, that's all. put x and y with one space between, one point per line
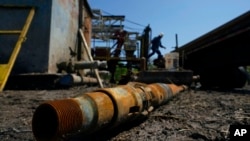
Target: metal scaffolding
104 42
104 26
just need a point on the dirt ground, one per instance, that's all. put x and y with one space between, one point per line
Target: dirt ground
192 115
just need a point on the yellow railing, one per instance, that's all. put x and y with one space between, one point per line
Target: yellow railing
5 69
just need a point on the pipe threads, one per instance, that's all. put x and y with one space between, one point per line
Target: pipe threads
56 118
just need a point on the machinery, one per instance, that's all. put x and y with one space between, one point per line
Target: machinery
130 49
63 50
65 56
110 42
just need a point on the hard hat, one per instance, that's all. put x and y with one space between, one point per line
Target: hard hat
161 34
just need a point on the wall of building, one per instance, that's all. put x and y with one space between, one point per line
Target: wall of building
33 56
64 30
53 30
87 30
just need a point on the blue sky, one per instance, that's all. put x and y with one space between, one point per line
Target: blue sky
189 19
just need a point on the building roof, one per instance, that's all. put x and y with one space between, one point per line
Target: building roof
237 24
88 8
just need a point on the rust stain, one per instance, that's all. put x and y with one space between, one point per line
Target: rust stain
104 107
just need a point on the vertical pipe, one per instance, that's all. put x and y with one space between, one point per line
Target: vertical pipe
176 42
143 64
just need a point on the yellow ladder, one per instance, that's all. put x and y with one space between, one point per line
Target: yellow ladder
5 69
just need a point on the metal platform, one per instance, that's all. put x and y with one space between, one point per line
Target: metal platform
166 76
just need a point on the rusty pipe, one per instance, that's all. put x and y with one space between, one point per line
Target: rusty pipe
90 64
103 108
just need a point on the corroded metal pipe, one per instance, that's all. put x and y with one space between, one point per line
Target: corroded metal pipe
103 108
88 64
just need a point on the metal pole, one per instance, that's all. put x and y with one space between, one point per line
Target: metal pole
176 40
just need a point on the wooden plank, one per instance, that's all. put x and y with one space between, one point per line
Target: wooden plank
90 57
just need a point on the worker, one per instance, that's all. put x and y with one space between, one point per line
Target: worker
119 35
156 43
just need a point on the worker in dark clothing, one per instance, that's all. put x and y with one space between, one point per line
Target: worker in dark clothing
156 43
